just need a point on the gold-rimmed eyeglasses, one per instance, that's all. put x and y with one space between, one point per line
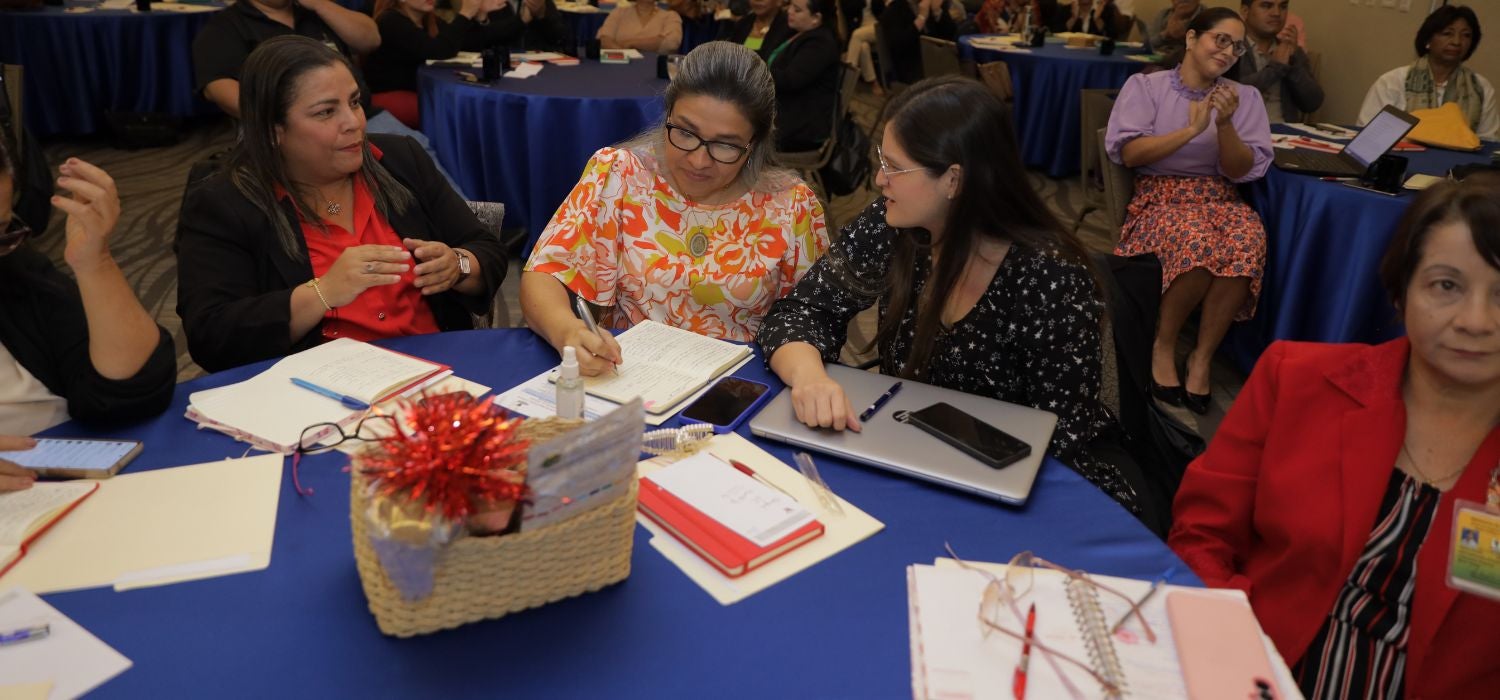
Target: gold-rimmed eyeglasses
887 170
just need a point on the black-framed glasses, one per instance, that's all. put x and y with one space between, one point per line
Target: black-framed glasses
719 151
1225 41
320 437
14 235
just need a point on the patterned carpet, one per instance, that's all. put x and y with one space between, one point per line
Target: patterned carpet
150 182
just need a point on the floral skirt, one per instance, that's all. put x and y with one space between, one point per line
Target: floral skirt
1193 222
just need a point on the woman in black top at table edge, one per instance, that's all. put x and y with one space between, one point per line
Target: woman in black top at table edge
806 71
412 34
766 21
980 289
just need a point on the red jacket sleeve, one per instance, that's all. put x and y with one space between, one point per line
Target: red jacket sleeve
1212 525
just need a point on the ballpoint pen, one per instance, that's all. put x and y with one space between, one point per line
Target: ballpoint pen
581 308
348 401
25 634
747 471
1155 586
1018 683
870 412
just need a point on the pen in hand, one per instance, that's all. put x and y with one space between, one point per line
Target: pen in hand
581 308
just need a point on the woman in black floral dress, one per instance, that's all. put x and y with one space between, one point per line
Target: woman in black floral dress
980 289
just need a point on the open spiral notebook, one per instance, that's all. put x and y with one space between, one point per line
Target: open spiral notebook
951 659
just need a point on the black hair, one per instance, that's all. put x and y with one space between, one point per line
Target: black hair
942 122
268 84
1211 17
1441 19
1475 202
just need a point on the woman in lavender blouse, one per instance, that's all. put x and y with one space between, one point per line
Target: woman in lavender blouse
1191 135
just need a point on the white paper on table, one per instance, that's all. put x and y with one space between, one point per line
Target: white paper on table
537 398
162 526
69 659
634 54
26 691
1151 670
470 58
125 5
581 8
182 7
524 71
1320 133
839 532
450 384
536 56
733 499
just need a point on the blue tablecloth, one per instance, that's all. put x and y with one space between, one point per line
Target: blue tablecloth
79 65
525 142
837 630
1324 243
1047 81
586 26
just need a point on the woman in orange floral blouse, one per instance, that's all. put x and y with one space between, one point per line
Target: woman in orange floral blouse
687 225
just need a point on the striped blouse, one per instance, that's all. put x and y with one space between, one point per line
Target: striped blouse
1361 650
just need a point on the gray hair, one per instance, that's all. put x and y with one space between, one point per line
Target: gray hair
731 73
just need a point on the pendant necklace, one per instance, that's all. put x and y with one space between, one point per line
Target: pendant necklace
697 232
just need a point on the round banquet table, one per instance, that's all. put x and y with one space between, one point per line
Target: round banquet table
838 629
525 142
1324 243
79 65
1047 81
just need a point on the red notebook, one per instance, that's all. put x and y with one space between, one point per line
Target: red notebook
725 549
33 511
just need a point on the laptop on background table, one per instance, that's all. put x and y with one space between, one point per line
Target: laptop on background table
906 449
1374 140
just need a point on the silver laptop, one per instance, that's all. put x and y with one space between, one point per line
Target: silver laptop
907 449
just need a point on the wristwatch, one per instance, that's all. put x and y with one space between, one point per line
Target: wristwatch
464 268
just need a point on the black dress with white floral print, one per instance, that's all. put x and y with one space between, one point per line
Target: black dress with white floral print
1031 339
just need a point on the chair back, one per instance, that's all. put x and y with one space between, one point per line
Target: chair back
939 57
1094 109
886 59
1119 186
1315 66
996 76
492 216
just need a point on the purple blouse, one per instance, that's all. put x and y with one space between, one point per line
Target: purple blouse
1158 104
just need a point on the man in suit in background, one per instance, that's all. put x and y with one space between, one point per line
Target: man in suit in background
1275 65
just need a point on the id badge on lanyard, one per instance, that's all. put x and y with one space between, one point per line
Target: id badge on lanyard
1474 559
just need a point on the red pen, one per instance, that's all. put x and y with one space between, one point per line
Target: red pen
1018 685
747 471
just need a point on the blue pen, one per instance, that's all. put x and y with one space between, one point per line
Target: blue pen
348 401
25 634
1155 586
864 416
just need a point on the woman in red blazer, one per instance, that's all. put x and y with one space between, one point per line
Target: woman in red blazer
1327 494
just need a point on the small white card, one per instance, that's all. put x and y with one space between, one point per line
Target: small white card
69 658
736 500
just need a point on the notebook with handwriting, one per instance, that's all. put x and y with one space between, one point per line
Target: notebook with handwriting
952 658
728 518
26 514
664 365
270 412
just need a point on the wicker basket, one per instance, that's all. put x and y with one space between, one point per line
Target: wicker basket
480 578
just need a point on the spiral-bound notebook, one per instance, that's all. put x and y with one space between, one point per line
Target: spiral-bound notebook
952 659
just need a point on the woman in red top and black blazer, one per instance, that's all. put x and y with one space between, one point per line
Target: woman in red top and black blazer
1328 446
315 230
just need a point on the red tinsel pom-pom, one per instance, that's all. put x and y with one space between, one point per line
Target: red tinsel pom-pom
458 457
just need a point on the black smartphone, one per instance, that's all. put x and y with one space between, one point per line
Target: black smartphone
726 403
979 439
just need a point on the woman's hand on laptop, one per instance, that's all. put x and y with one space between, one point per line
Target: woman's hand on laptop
820 402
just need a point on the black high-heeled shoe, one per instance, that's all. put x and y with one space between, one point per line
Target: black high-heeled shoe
1197 403
1169 395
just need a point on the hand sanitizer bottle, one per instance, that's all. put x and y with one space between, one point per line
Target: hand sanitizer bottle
569 386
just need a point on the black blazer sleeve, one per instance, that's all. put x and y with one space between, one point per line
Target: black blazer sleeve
548 33
441 215
43 325
235 282
234 302
405 47
805 62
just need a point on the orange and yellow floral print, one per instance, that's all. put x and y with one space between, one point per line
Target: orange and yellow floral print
622 239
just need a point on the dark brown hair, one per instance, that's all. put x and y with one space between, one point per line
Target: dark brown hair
268 84
942 122
1475 202
429 19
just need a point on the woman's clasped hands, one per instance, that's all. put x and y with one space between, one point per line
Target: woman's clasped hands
364 266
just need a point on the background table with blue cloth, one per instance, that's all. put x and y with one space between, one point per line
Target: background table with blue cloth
1324 243
837 630
525 142
585 25
1047 81
79 65
695 32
